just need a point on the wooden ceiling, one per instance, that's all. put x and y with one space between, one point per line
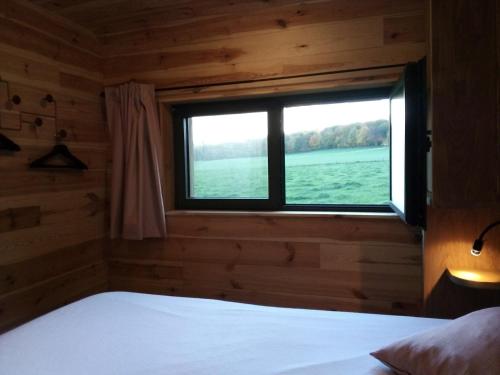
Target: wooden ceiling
106 17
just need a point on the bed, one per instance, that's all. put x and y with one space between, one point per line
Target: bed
126 333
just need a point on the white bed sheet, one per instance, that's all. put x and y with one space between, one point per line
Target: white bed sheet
139 334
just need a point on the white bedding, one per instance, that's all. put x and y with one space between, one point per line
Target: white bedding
137 334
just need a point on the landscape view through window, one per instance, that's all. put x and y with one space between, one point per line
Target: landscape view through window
334 154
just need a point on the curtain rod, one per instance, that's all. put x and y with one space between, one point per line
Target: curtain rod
281 78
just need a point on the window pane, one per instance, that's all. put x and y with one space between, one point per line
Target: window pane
337 153
398 150
228 156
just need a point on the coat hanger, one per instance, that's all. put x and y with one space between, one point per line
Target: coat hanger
6 144
59 151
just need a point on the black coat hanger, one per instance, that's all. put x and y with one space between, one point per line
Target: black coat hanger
8 145
59 151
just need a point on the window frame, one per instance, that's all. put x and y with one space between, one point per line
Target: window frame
274 105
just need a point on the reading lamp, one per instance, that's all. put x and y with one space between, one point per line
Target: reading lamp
478 243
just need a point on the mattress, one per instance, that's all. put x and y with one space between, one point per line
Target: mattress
137 334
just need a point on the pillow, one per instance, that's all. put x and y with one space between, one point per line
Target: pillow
467 345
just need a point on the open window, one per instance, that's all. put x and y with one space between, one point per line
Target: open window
357 150
408 145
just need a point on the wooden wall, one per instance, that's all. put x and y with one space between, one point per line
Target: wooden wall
465 101
52 224
336 262
200 43
328 262
331 262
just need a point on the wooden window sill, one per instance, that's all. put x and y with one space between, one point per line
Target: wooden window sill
294 214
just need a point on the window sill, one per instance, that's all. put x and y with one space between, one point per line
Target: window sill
290 214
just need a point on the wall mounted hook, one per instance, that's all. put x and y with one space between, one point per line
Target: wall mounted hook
38 122
16 99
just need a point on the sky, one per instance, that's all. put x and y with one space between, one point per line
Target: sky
210 130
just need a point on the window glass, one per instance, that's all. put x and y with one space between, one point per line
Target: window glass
337 153
228 156
398 150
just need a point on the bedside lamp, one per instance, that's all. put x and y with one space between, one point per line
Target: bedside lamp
478 243
476 278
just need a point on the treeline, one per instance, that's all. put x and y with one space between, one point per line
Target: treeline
374 133
368 134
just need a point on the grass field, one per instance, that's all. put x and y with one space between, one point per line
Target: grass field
335 176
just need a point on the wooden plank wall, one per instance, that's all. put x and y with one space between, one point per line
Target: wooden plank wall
261 259
332 262
215 41
465 85
352 263
55 222
51 223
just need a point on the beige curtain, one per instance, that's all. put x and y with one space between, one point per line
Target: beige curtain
137 209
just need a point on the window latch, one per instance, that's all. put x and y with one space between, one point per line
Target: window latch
428 140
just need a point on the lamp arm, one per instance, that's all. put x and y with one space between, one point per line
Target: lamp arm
485 230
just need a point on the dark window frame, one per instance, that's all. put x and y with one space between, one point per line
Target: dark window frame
276 155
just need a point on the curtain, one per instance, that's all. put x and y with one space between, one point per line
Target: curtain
137 209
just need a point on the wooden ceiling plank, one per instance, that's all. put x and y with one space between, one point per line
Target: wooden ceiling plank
116 11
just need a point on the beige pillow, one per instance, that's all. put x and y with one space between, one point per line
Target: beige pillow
467 345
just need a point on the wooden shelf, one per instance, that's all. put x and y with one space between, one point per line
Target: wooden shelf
475 278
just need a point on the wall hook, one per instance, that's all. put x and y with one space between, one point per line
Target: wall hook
16 99
46 100
38 122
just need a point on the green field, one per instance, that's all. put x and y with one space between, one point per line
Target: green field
335 176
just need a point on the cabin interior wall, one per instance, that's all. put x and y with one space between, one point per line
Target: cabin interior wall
53 225
464 52
338 263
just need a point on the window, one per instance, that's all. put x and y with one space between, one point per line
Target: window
228 156
337 153
343 151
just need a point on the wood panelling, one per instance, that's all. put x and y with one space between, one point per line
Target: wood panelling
23 274
51 25
80 83
404 29
46 46
339 262
215 41
359 264
42 297
466 162
464 65
28 68
355 263
220 65
52 223
32 100
122 16
321 82
19 218
316 228
447 244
